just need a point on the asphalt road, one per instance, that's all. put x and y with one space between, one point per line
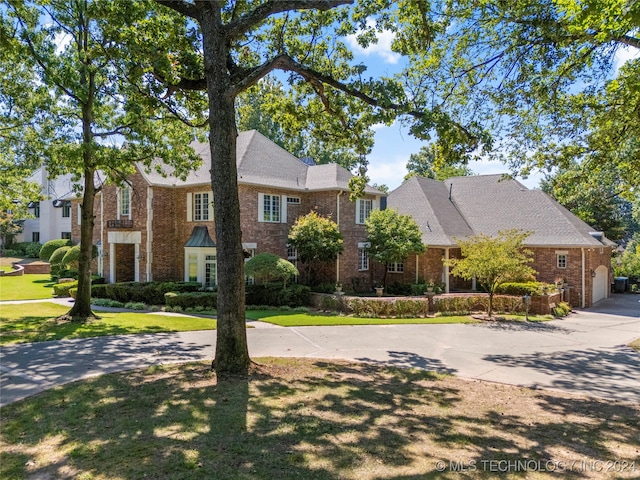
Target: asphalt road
584 354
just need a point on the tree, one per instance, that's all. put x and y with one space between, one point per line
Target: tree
493 260
317 239
595 197
269 267
239 43
535 74
392 237
9 228
429 163
74 49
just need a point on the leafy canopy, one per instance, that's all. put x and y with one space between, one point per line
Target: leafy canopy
493 260
392 236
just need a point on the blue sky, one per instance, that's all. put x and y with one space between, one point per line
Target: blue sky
394 145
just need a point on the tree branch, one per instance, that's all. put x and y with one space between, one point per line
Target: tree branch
180 6
260 13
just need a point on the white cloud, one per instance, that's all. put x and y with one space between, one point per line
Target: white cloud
382 48
624 54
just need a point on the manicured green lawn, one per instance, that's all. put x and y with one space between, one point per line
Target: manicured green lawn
315 420
21 323
26 287
296 319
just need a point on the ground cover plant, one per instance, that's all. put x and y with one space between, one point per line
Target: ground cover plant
36 323
26 287
304 418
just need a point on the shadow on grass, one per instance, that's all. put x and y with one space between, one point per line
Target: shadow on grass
315 420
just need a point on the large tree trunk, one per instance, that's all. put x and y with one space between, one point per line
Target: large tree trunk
81 309
232 354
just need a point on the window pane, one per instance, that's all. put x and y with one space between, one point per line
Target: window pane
193 268
210 271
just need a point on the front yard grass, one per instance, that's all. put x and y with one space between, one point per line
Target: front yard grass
26 287
36 322
313 419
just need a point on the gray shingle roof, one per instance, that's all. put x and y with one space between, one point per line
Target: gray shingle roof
488 204
262 162
427 201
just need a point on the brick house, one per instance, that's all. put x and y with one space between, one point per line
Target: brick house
563 246
162 228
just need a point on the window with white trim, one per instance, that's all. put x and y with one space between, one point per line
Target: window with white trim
124 200
395 267
363 256
35 236
363 210
292 255
561 260
272 208
210 271
249 251
36 209
201 207
293 200
65 235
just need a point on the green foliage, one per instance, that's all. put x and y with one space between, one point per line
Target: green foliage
628 263
381 308
106 302
493 260
56 260
276 296
71 257
269 267
191 299
392 236
62 289
150 293
25 249
562 309
317 239
520 288
429 162
51 246
135 306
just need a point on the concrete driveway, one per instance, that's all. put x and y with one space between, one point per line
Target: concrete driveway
584 354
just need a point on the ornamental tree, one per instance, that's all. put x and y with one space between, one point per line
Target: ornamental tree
493 260
392 237
318 241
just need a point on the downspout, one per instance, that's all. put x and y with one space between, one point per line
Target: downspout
338 223
584 281
149 233
446 271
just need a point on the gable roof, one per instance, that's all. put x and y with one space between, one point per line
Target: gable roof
488 204
260 162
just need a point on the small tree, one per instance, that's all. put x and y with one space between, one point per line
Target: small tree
51 246
392 237
269 267
317 240
493 260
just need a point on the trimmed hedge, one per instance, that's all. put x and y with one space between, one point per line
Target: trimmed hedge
186 300
25 249
51 246
523 288
387 307
62 289
277 296
151 293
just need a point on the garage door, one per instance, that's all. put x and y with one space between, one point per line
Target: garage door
600 283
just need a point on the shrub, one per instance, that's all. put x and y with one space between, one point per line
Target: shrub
150 293
62 289
562 309
106 302
12 253
51 246
461 305
68 273
277 296
191 299
397 288
515 288
269 267
72 257
387 307
25 249
324 287
56 260
73 292
135 306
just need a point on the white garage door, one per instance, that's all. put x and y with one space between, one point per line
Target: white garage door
600 283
